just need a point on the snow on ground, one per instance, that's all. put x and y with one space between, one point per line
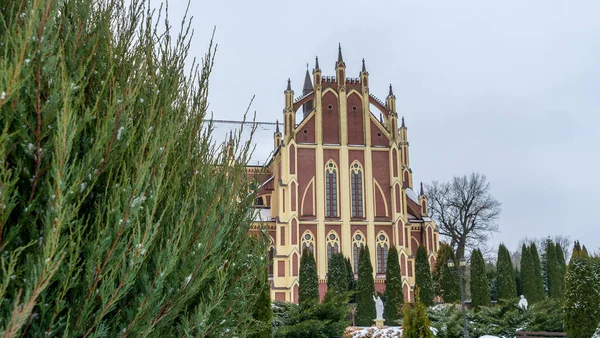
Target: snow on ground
361 332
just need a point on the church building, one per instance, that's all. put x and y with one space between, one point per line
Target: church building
340 179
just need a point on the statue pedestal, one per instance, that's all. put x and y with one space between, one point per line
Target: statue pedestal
379 323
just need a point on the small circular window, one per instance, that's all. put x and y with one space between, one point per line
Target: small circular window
330 107
354 108
305 131
307 237
358 237
332 237
381 237
378 134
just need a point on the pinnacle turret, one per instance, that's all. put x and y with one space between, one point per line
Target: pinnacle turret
364 68
421 193
317 63
289 86
277 127
403 125
308 87
391 91
340 58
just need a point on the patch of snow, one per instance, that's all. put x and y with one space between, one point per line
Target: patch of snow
411 194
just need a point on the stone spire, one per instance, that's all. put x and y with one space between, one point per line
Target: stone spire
403 125
308 87
277 126
391 91
421 193
340 58
317 63
289 86
364 68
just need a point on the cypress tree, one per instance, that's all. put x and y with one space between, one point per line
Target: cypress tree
506 282
480 292
308 281
351 281
263 313
528 284
562 269
445 281
544 261
540 294
118 215
582 300
365 290
337 276
553 272
394 297
423 276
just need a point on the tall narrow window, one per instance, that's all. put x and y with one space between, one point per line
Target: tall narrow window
358 242
356 184
308 242
382 252
333 244
271 256
331 189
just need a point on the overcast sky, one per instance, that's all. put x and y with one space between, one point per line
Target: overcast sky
510 89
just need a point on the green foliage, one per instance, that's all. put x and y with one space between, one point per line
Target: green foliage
351 280
562 271
394 297
423 276
528 278
502 320
119 214
506 282
263 312
415 323
365 290
492 278
445 281
480 292
337 276
319 320
553 272
540 293
308 281
582 297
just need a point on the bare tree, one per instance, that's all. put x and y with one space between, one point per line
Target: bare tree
465 211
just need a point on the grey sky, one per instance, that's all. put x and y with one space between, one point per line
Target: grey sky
506 88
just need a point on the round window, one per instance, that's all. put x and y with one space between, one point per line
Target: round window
381 237
307 237
332 237
330 107
358 237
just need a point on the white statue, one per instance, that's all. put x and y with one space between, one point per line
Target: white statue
523 303
378 307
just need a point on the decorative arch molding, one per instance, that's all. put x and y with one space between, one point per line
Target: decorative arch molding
330 90
358 242
308 241
311 186
354 91
303 100
377 187
382 247
333 244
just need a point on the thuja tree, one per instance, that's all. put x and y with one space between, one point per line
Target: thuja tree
365 290
423 276
505 282
538 277
562 271
394 296
337 276
263 313
350 277
445 280
415 323
480 292
308 281
528 275
582 298
553 273
119 214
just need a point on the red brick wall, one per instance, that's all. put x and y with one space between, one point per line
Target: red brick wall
282 233
332 154
292 159
355 120
381 172
395 162
322 290
295 300
294 232
379 287
306 171
357 155
293 192
280 296
306 134
403 270
331 128
387 230
281 269
398 198
378 138
294 265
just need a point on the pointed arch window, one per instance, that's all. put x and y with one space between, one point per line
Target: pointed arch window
331 190
356 185
358 242
271 256
308 242
382 252
333 244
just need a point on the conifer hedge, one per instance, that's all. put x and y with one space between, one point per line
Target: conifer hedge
505 282
337 276
423 276
308 280
540 293
119 213
445 280
365 290
394 296
480 292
